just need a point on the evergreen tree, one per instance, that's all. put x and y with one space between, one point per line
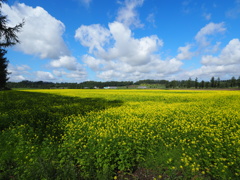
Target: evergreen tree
218 82
238 81
202 84
207 84
233 82
196 83
189 83
8 35
3 69
212 82
8 38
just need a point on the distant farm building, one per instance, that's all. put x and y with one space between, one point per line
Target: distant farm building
110 87
142 87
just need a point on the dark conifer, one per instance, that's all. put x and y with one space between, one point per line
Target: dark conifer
8 38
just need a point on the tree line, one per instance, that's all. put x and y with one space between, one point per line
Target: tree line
148 83
66 85
212 83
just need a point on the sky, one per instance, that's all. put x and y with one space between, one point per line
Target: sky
124 40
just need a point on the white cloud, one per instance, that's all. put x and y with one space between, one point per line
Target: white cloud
44 76
229 55
185 52
23 68
128 15
17 78
118 70
72 76
74 70
68 62
225 65
92 62
41 34
128 49
18 73
209 29
59 73
222 71
156 69
94 36
77 75
126 57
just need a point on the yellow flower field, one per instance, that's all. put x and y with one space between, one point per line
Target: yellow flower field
177 133
197 132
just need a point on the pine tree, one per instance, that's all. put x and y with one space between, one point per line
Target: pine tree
189 83
218 82
8 38
238 81
8 35
202 84
196 83
212 82
3 69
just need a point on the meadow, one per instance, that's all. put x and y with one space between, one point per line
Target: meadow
119 134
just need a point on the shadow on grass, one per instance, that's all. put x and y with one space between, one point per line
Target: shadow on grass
44 112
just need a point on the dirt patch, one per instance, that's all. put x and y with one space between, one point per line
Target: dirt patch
147 174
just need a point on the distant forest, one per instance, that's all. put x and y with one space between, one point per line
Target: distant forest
148 83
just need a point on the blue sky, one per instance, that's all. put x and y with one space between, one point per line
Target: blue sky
124 40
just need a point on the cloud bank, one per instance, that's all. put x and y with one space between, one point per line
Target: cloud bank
41 34
114 52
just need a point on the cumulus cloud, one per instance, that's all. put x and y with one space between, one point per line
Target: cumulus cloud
128 49
67 66
125 47
68 62
44 76
184 52
209 29
59 73
92 62
156 69
128 15
41 34
224 65
228 56
119 70
114 52
18 73
77 75
203 42
94 36
206 71
121 56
